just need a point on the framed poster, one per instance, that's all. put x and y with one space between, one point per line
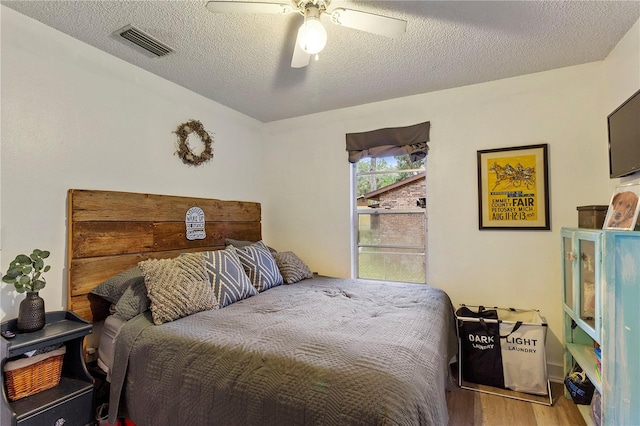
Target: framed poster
623 208
513 188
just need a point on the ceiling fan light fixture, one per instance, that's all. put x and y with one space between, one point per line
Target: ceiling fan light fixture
312 36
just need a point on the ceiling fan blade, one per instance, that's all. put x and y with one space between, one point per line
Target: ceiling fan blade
369 22
300 57
249 7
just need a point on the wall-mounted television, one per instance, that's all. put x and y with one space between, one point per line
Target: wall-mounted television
624 138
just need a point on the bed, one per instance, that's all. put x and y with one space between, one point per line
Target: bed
321 350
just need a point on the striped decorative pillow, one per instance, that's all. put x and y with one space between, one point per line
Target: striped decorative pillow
292 268
229 280
259 266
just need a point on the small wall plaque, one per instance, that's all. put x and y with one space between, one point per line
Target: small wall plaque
195 224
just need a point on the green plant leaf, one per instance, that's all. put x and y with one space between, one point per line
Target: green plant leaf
46 268
26 270
38 285
24 280
23 259
20 289
14 272
38 264
44 254
9 280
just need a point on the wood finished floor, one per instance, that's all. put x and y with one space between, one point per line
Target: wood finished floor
468 407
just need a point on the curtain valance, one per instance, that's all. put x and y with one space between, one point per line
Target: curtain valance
390 141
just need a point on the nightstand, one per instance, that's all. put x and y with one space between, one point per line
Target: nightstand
70 403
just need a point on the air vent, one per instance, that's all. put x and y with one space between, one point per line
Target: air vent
144 41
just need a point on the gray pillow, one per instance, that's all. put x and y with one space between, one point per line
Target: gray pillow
114 287
134 301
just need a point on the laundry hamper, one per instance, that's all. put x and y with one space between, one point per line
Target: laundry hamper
503 348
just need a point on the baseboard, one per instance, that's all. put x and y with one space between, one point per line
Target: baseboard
556 372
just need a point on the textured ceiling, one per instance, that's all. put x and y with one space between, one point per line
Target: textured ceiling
243 61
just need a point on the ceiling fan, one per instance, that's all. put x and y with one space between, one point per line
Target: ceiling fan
312 35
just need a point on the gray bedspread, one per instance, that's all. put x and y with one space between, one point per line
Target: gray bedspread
324 351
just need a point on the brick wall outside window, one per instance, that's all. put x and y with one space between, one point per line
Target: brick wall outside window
400 229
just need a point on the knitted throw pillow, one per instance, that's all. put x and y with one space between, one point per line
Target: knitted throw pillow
292 268
177 287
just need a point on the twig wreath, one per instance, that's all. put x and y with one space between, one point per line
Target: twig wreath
184 150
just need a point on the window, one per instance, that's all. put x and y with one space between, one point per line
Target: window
390 220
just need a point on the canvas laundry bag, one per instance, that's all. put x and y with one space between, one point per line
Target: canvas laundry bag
480 346
503 347
522 341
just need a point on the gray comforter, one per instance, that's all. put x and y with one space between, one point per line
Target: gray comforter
324 351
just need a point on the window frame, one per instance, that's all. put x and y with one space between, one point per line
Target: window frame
355 219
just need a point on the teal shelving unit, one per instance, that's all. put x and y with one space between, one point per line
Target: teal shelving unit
601 305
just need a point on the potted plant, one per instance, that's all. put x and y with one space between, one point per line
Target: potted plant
25 273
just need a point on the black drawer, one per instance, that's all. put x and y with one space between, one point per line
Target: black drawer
75 411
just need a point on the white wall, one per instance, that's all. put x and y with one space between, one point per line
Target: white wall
307 207
75 117
622 69
622 79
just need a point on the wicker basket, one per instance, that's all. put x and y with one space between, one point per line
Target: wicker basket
28 376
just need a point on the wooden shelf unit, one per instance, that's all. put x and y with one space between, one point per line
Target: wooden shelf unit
601 295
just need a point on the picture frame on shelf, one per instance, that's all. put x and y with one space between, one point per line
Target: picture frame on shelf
513 188
622 213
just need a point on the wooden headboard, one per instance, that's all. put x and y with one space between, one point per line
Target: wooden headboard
109 232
